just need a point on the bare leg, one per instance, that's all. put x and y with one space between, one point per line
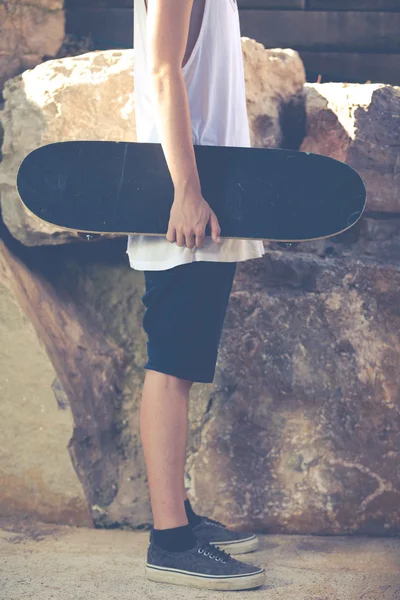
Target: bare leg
163 431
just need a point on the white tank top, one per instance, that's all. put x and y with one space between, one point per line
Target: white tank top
214 80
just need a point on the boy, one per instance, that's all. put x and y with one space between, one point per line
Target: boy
189 89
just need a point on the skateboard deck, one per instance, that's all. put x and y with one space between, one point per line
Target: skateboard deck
125 188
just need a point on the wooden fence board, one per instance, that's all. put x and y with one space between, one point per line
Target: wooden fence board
269 4
303 30
324 31
109 28
295 4
349 5
100 4
338 66
342 45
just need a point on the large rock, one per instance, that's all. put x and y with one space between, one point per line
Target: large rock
100 282
274 88
90 97
360 125
302 433
30 30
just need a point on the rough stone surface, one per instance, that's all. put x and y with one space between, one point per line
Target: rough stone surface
44 562
30 30
375 238
300 432
37 479
90 97
274 88
360 125
101 282
99 278
303 432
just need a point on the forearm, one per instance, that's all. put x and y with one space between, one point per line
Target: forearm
173 122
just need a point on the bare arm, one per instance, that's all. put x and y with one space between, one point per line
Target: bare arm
168 27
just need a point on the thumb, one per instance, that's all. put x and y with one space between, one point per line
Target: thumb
215 228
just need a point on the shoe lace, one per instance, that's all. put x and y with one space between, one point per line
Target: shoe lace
214 552
213 522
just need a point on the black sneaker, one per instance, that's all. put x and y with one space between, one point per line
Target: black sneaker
217 534
204 566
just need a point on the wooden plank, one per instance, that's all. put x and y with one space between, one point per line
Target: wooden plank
110 4
357 68
109 28
281 4
390 5
324 31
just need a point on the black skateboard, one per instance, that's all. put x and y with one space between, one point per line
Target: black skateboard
121 187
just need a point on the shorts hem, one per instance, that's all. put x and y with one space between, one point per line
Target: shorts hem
179 374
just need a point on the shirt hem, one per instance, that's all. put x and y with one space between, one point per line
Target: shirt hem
163 266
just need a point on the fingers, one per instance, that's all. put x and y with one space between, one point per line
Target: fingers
200 237
171 234
215 228
194 238
189 240
180 238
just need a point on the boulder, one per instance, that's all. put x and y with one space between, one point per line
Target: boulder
30 30
274 88
359 124
302 433
90 97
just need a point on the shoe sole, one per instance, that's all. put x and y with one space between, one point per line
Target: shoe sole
238 546
205 582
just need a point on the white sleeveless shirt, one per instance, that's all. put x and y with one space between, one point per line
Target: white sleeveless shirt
214 81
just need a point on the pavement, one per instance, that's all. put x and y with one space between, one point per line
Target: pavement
43 561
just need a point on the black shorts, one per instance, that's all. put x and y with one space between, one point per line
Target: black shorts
184 317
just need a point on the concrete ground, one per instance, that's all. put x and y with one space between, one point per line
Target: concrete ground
44 562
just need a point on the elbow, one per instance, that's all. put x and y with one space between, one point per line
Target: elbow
161 71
